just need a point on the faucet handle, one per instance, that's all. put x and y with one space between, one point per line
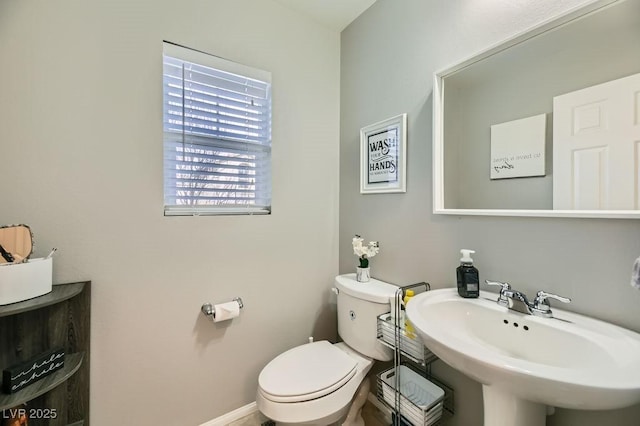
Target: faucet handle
502 299
505 286
541 306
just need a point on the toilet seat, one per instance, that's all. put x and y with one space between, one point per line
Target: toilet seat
306 372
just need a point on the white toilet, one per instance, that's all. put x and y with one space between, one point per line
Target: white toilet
315 383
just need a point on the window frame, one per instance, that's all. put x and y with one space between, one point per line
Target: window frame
213 164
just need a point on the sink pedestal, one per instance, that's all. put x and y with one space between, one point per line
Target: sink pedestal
503 408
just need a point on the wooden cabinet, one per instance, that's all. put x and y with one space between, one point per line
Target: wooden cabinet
61 318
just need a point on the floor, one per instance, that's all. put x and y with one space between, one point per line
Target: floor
373 416
255 419
370 413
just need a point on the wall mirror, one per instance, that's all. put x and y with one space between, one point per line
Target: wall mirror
16 244
531 127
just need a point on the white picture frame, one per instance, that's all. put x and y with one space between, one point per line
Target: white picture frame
518 148
383 148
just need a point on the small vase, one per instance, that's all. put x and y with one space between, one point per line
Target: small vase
362 275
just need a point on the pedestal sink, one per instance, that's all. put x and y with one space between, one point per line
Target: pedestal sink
526 363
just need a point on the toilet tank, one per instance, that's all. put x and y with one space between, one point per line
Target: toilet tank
359 305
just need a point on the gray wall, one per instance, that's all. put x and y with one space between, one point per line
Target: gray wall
388 58
81 151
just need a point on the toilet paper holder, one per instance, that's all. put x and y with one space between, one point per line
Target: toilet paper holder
210 312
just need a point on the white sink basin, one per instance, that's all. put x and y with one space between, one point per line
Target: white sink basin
569 361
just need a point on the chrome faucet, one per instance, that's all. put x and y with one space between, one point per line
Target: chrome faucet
519 302
541 307
502 299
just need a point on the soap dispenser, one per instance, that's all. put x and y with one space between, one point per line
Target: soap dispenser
467 275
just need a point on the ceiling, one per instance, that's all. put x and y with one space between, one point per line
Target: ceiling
335 14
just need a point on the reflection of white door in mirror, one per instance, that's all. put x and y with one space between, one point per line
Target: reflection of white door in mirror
596 147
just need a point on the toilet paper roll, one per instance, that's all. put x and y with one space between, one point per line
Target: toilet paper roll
226 311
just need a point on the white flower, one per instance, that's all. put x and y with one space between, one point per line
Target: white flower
364 252
372 249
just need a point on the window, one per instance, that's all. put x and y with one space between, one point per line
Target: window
217 135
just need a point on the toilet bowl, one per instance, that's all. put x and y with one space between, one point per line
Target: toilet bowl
315 383
321 382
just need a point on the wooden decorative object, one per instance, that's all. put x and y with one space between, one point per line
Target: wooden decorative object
37 368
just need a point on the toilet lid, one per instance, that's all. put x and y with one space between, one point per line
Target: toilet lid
306 372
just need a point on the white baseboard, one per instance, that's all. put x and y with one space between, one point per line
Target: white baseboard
233 415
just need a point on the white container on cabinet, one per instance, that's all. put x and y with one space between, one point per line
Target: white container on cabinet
27 280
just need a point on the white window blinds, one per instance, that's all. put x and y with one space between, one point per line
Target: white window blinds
217 135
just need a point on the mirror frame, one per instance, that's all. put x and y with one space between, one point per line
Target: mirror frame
438 124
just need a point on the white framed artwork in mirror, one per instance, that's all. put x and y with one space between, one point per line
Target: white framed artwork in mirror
517 148
520 77
383 148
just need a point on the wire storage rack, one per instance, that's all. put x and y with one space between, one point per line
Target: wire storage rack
409 388
410 344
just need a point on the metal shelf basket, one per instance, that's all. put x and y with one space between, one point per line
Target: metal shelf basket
421 401
411 345
412 408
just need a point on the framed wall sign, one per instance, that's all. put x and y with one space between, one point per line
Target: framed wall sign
517 148
383 156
